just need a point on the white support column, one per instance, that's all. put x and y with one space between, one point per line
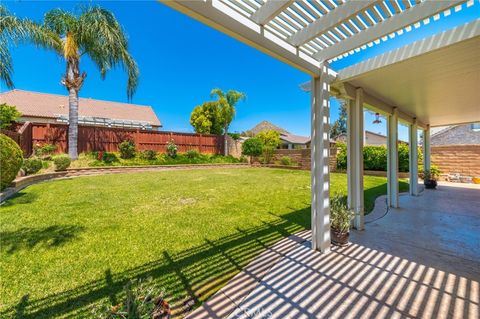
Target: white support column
355 136
426 149
392 159
320 146
413 157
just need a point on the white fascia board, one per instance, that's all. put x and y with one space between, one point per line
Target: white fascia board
408 17
331 19
441 40
221 17
269 10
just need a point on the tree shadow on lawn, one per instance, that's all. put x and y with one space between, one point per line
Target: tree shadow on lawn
20 198
28 238
188 278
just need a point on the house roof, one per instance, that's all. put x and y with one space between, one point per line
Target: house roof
35 104
295 139
267 126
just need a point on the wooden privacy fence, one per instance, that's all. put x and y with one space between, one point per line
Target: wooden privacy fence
92 138
23 137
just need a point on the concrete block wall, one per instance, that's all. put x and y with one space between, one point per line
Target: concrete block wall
462 159
303 159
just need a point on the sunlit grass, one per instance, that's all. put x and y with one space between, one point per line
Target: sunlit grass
67 244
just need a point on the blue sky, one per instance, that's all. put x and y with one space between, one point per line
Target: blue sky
181 60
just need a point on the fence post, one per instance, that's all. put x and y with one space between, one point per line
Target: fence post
200 146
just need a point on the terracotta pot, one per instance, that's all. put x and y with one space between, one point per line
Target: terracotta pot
339 238
430 184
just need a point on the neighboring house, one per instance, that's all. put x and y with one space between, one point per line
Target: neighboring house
287 139
456 151
466 134
370 138
52 108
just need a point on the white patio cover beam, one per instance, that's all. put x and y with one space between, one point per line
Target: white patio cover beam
373 103
223 18
426 149
392 159
406 18
331 19
269 10
320 146
355 134
413 158
438 41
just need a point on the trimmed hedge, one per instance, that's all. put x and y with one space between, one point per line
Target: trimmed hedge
62 162
11 159
32 165
375 157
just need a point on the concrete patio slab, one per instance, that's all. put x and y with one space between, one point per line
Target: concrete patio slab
419 261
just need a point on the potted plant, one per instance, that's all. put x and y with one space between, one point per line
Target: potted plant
340 220
430 178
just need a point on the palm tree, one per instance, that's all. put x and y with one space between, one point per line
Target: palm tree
15 30
227 102
96 33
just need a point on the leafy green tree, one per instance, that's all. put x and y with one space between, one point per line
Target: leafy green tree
252 147
8 115
270 141
94 32
206 118
340 125
227 102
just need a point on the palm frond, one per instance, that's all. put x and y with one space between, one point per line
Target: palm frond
101 37
14 30
218 93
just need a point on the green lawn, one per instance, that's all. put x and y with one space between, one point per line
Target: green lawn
67 244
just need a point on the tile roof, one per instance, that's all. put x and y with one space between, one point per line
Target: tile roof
34 104
295 139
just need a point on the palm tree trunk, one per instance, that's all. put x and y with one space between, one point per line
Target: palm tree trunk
73 123
73 82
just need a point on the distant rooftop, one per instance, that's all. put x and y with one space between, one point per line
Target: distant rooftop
45 105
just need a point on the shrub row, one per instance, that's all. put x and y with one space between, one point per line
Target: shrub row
375 157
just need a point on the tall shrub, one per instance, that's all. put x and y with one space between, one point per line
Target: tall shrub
375 157
270 140
11 159
127 149
8 115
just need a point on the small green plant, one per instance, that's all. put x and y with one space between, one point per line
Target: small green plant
143 300
45 150
127 149
191 154
172 149
8 115
32 165
286 160
62 162
11 159
432 174
149 155
340 216
108 157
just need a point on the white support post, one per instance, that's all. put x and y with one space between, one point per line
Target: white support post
392 159
413 157
355 136
320 146
426 149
